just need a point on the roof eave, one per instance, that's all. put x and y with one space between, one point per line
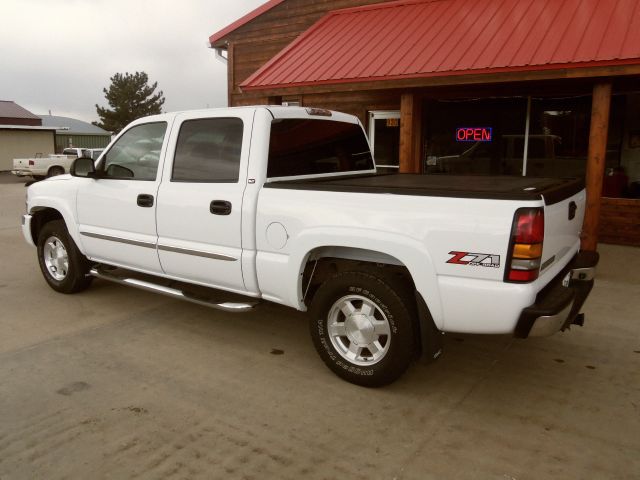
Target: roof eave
508 75
218 40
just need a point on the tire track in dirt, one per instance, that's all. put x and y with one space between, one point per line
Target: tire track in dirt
43 442
26 430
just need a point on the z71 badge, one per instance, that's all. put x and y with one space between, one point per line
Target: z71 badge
475 259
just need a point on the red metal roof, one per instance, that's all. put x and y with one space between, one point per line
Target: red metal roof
241 21
9 109
424 38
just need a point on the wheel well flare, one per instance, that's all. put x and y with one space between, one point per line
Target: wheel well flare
40 217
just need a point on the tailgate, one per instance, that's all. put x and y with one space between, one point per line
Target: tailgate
20 163
562 226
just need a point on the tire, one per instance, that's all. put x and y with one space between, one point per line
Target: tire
362 326
55 171
63 266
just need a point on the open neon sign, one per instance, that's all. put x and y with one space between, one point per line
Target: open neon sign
474 134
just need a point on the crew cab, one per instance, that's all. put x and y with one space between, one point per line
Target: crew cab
52 165
230 207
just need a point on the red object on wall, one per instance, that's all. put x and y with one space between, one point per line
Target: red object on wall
425 38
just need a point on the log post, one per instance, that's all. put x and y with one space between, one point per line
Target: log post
410 133
598 135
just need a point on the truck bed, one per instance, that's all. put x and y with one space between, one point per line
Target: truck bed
553 190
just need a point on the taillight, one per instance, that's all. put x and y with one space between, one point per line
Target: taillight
527 236
31 163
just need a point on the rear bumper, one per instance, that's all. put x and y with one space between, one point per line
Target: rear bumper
22 173
558 305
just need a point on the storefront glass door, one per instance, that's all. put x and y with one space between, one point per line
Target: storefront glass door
384 136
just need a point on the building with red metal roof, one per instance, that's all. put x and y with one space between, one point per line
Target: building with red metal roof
422 39
564 75
13 114
22 134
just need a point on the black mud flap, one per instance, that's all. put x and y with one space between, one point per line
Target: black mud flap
430 337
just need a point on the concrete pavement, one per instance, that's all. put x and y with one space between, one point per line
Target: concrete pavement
119 383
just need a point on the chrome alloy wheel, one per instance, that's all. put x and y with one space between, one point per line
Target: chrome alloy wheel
56 258
359 330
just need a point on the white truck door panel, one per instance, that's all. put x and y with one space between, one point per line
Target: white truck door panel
117 213
200 200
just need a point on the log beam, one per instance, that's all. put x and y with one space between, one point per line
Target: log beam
598 135
410 133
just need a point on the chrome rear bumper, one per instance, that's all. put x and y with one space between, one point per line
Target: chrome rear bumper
558 305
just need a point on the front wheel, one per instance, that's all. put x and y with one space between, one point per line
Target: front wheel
62 264
362 327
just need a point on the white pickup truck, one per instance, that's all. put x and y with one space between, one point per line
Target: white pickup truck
52 165
228 207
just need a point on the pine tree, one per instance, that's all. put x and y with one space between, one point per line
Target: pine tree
130 97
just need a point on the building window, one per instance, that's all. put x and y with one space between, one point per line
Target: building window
475 137
291 101
558 137
622 168
384 137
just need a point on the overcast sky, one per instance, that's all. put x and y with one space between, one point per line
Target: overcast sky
58 55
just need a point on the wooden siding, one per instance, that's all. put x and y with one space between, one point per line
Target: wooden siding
355 103
358 103
256 42
620 221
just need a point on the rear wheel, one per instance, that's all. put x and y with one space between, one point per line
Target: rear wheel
62 264
362 327
55 171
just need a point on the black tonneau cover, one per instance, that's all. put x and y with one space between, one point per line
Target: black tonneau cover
553 190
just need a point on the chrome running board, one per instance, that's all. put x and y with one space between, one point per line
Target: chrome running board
235 307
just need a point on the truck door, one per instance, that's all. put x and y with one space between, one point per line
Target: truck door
117 212
200 199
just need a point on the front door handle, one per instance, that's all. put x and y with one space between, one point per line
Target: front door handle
220 207
145 200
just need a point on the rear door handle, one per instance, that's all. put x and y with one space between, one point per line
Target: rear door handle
220 207
145 200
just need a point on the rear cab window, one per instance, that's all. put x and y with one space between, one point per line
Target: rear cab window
305 146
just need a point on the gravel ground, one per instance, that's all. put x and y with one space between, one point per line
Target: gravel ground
119 383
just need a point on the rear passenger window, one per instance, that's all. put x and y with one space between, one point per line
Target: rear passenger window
208 150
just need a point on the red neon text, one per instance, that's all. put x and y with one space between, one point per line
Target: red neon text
475 134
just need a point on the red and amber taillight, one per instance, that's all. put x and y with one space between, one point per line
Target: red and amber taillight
527 236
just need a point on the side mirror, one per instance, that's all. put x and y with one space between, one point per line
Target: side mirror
83 167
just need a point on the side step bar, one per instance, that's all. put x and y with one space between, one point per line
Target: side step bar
235 307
